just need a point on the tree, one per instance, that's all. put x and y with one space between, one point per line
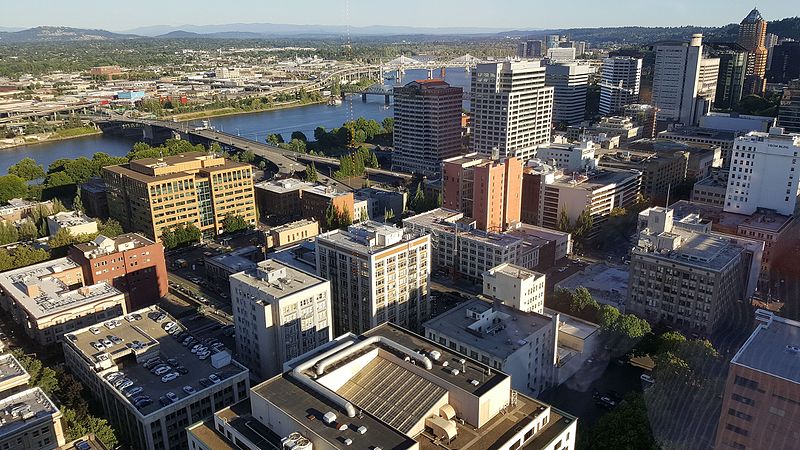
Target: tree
311 173
625 428
607 316
563 221
110 228
41 376
275 139
27 169
8 233
388 124
363 216
299 135
28 231
632 327
233 223
24 255
77 203
247 156
12 186
296 145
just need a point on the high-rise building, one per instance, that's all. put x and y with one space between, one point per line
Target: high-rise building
620 82
154 194
130 262
512 109
570 83
683 275
785 63
427 125
530 48
732 67
645 116
752 36
684 85
378 274
759 407
789 111
561 55
764 173
486 190
280 313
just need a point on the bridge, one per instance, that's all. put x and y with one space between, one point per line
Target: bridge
387 91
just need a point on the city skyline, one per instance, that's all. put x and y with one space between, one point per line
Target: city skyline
357 13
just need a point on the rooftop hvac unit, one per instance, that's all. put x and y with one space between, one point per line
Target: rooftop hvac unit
296 441
329 418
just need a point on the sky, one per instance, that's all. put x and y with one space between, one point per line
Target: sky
122 15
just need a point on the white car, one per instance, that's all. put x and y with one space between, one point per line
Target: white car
204 355
107 343
169 377
114 376
162 370
172 397
214 378
94 330
98 345
647 378
169 326
189 390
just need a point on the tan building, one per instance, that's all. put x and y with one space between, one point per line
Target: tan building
75 222
316 200
292 233
50 298
660 171
152 194
752 36
759 407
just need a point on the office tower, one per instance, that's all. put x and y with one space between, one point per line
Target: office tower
486 190
620 82
570 83
427 126
280 313
531 49
764 173
30 420
785 62
387 389
512 109
378 274
759 407
752 36
51 298
555 40
132 263
683 84
95 198
683 275
156 416
515 286
732 67
154 194
789 111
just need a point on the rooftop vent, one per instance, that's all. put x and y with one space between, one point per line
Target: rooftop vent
362 429
329 418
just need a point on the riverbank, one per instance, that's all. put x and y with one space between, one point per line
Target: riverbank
221 112
41 138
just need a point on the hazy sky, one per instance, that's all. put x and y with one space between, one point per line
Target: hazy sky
505 14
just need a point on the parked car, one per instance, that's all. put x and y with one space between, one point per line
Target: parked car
162 370
214 378
172 396
647 378
169 377
133 391
189 390
94 330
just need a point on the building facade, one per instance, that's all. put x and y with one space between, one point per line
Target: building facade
570 83
75 222
660 171
785 62
789 111
515 286
279 201
752 36
732 69
621 80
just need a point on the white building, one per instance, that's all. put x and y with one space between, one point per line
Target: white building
75 222
515 286
570 82
764 173
512 109
280 313
378 273
683 84
621 80
568 157
561 54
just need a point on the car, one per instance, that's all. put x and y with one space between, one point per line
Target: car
172 362
162 370
115 339
169 377
98 345
133 391
182 370
561 269
142 403
108 343
187 340
204 355
110 324
161 317
647 378
152 362
605 402
175 330
119 382
172 396
164 401
127 383
114 376
197 348
82 445
218 346
214 378
189 390
129 318
136 316
168 326
205 382
94 330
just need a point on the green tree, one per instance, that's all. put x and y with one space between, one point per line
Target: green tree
77 203
8 233
28 231
299 135
12 186
42 376
247 156
27 169
233 223
169 239
607 316
311 173
563 221
275 139
632 327
296 145
110 228
24 255
625 428
388 124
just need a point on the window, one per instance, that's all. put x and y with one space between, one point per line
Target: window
736 429
741 399
740 415
745 382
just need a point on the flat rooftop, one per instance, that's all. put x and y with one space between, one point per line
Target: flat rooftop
70 218
22 409
700 133
773 348
51 295
448 221
103 245
293 225
573 326
325 191
765 220
709 251
515 271
12 373
504 331
367 237
278 279
283 186
233 261
597 179
156 342
661 145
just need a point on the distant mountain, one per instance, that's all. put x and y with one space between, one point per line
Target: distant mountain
9 29
182 34
60 34
276 30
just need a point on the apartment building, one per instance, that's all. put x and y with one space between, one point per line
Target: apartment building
51 298
512 109
130 262
759 406
487 190
621 79
152 411
378 274
515 286
152 194
764 173
568 157
427 125
570 83
376 392
280 313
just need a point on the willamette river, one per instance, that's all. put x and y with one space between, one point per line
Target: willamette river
253 126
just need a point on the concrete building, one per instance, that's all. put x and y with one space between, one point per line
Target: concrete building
531 48
376 392
732 69
789 111
518 343
568 157
561 54
570 83
660 171
219 268
280 313
292 233
94 197
684 86
702 157
18 209
316 200
758 406
427 125
621 80
683 275
75 222
153 194
51 298
764 173
711 189
198 389
279 201
644 116
512 109
752 36
378 202
485 189
622 126
578 341
706 136
785 62
738 123
515 286
130 262
378 274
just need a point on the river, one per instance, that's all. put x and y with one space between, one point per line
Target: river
254 126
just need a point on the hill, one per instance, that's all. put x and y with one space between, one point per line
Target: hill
59 34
